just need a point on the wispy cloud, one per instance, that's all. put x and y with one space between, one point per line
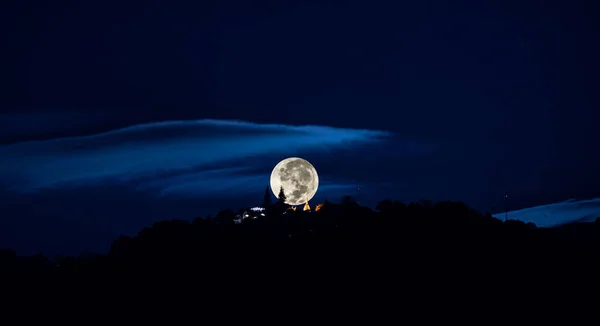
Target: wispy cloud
33 125
558 213
180 154
204 183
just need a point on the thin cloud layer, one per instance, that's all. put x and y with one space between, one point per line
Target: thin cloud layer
15 127
224 183
180 148
204 183
558 213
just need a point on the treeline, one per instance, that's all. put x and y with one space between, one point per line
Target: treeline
338 242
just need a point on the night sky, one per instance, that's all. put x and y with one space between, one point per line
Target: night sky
116 115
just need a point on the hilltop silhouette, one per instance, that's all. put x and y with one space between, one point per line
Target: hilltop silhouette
406 247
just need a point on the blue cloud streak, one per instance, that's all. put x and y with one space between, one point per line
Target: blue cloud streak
166 148
557 213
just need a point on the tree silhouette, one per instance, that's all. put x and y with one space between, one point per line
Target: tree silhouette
281 198
348 200
280 205
385 206
171 253
225 217
267 198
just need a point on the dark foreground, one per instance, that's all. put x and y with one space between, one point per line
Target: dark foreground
343 254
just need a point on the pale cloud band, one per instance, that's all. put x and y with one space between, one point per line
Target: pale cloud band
150 150
558 213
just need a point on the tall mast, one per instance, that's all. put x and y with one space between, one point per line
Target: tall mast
505 207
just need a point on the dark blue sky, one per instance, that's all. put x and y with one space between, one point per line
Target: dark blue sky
459 100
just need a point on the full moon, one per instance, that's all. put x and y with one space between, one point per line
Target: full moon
298 178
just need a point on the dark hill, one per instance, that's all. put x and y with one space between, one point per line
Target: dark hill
409 249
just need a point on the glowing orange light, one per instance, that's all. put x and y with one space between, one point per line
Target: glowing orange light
306 207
